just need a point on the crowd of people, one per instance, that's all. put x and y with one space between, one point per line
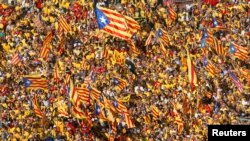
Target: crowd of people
157 96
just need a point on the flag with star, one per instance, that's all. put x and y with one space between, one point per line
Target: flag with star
35 82
114 23
238 51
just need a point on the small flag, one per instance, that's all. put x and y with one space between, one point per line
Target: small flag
236 81
113 23
210 67
36 108
46 46
16 59
120 83
191 71
239 51
149 39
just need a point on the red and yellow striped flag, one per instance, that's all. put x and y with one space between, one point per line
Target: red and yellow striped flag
172 13
63 25
134 50
36 108
35 82
120 83
191 71
149 39
46 46
155 112
128 121
56 73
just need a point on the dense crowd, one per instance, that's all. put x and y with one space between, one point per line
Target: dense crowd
155 80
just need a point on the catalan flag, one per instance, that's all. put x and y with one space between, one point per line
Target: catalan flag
245 73
132 24
78 95
128 121
216 25
63 25
56 73
67 78
46 46
78 113
210 67
191 71
172 13
36 108
155 112
239 51
218 47
120 83
179 123
163 49
16 59
113 23
35 82
119 107
105 52
149 39
134 50
236 81
63 110
162 36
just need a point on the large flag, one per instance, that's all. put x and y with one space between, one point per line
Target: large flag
236 81
16 59
46 46
191 71
35 82
114 23
210 67
239 51
36 108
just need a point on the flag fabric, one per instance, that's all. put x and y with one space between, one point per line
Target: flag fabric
56 73
120 83
172 13
191 71
78 113
134 50
113 23
149 39
216 25
16 59
236 81
78 95
132 24
155 112
36 108
245 73
163 49
162 37
218 47
62 110
67 78
105 52
118 106
179 122
35 82
63 25
46 46
210 67
128 121
238 51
